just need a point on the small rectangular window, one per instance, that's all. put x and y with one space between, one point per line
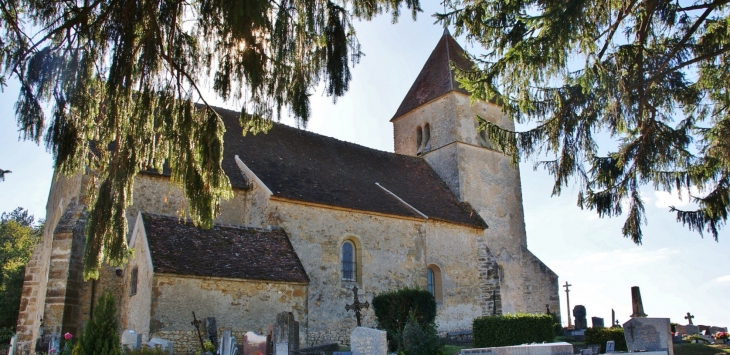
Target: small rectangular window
133 282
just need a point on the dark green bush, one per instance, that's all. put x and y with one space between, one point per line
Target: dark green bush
513 329
393 308
420 339
100 334
602 335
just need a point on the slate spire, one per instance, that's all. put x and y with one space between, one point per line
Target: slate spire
436 78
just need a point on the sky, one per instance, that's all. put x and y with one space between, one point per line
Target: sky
677 270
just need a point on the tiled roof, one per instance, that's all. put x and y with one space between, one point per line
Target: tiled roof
436 78
178 247
309 167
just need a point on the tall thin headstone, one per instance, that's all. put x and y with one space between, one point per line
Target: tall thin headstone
286 334
636 304
212 329
567 299
613 317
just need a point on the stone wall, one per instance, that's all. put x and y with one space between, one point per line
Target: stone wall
136 308
484 178
64 191
395 253
238 305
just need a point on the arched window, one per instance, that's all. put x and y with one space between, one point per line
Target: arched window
426 137
419 138
349 261
434 283
431 285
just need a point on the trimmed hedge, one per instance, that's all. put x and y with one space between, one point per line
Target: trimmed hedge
602 335
513 329
392 310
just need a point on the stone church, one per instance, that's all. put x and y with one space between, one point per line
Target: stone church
312 217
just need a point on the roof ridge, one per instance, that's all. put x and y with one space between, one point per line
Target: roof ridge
215 224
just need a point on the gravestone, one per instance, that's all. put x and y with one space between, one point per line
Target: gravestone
579 312
368 341
529 349
342 353
285 334
212 330
228 344
54 345
680 329
597 322
131 340
649 334
610 346
636 304
704 329
165 345
587 352
254 344
13 344
691 329
714 330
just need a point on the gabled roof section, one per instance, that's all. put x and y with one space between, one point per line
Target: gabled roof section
308 167
436 77
178 247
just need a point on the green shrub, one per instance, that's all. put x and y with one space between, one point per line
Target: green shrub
602 335
393 308
420 339
100 335
513 329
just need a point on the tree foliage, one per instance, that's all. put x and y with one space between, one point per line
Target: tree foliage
18 237
652 74
123 77
100 335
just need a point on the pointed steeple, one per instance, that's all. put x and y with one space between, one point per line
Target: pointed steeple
436 77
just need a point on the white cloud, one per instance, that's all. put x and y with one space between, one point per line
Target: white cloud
665 199
725 278
620 258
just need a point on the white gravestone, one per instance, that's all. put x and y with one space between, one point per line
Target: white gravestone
228 344
13 344
610 346
368 341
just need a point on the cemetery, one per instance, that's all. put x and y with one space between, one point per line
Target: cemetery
405 324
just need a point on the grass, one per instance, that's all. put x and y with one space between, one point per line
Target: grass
701 349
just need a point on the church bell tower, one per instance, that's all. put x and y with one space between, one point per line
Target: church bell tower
437 122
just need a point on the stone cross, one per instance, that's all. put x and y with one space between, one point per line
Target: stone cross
689 317
567 298
357 306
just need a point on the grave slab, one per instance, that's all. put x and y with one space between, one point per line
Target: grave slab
528 349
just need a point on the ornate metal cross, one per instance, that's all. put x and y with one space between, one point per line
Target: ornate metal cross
548 308
689 317
196 323
357 306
